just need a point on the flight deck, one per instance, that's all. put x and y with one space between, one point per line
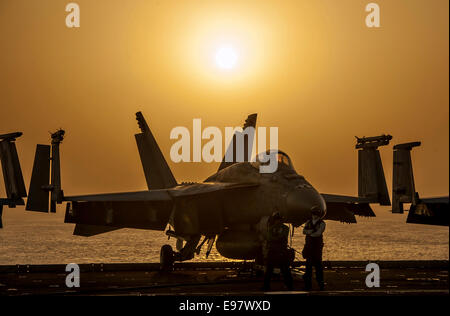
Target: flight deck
223 278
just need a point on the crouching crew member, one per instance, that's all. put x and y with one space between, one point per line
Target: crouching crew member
275 251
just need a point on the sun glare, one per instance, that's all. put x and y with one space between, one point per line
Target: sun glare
218 50
226 57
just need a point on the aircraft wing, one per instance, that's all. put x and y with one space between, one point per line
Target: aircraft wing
154 195
441 199
344 208
184 190
95 214
431 211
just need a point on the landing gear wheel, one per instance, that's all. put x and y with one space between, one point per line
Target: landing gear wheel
166 258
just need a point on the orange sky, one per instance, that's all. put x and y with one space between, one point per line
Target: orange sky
312 68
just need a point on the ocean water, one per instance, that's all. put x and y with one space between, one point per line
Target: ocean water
39 238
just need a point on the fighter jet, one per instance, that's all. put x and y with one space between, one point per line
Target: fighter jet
429 211
12 173
228 209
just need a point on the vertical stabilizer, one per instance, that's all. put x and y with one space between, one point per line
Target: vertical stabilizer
371 179
403 187
38 199
43 182
157 172
247 142
12 173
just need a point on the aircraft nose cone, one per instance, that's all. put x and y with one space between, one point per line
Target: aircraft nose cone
299 203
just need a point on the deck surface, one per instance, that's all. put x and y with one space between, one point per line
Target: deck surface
223 278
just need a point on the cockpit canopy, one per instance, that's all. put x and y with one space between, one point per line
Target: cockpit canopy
283 159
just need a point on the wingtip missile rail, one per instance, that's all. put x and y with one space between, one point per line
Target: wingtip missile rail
10 136
372 142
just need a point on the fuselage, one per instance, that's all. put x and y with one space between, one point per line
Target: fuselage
284 191
243 217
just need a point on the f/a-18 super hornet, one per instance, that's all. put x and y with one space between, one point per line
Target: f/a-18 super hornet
229 208
429 211
12 173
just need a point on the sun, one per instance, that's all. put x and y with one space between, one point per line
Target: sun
226 57
224 50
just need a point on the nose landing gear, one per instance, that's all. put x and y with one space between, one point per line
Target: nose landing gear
166 258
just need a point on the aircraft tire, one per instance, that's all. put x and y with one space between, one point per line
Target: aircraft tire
166 258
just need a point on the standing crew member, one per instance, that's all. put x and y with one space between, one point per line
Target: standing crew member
275 251
312 251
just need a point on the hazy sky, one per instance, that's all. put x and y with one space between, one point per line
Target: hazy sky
312 68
